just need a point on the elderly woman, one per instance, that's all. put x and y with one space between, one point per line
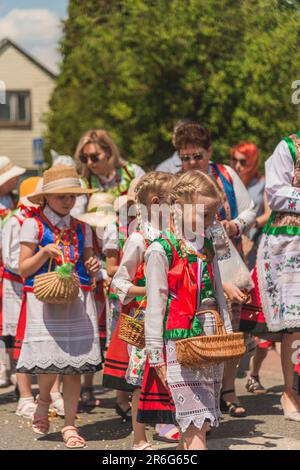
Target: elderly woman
102 165
193 144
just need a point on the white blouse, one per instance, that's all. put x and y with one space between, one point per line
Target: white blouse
30 229
133 255
282 196
110 239
11 243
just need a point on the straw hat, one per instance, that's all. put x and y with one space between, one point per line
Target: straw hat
100 211
60 179
8 170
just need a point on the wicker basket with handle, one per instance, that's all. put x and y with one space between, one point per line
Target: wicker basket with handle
132 330
57 287
204 351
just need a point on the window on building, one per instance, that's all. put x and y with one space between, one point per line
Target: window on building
16 112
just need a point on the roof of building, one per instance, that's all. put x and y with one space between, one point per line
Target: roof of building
6 43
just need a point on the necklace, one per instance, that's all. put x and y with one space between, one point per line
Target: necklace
194 253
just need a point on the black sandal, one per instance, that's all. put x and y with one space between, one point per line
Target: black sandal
126 415
88 401
229 407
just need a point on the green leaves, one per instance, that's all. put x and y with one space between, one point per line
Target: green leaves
134 67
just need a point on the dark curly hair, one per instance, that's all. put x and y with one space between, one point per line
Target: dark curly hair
192 133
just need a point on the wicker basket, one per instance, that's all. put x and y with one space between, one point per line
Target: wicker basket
205 351
53 288
132 330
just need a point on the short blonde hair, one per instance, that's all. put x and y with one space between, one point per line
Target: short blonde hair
102 139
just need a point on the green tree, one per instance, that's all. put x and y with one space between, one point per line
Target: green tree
134 67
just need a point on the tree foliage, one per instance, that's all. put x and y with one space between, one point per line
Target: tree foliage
134 67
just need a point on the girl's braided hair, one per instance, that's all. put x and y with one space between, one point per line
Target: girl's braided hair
185 190
155 183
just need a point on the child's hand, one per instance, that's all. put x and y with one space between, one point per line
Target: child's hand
106 284
51 250
162 374
230 227
234 293
92 265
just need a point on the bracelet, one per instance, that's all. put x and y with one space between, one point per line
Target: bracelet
158 366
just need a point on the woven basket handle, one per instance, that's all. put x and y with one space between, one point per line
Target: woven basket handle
219 324
137 312
62 253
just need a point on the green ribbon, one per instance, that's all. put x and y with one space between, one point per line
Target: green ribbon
65 271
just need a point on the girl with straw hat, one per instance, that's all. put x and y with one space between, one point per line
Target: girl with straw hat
59 339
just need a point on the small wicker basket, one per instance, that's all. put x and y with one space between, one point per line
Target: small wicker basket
55 288
132 330
204 351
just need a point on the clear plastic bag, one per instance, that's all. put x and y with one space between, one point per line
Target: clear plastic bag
232 267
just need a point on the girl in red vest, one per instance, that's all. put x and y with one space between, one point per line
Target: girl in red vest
182 279
129 285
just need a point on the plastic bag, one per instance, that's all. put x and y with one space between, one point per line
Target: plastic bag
232 267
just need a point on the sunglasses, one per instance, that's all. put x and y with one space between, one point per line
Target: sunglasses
94 157
196 157
242 162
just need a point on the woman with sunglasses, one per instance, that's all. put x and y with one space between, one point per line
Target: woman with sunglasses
102 165
193 144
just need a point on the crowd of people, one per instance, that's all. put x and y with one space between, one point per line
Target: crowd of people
94 277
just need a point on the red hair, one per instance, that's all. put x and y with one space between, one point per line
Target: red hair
251 152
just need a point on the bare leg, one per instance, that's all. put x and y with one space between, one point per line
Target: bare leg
257 360
72 385
24 384
139 431
194 438
290 396
88 380
123 400
56 385
71 397
230 370
46 382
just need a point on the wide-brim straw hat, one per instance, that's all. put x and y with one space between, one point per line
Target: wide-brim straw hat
60 179
100 211
8 170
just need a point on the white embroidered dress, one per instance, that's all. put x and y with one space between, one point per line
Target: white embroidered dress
278 259
59 338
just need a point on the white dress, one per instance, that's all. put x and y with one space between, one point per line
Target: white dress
59 339
196 393
278 258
